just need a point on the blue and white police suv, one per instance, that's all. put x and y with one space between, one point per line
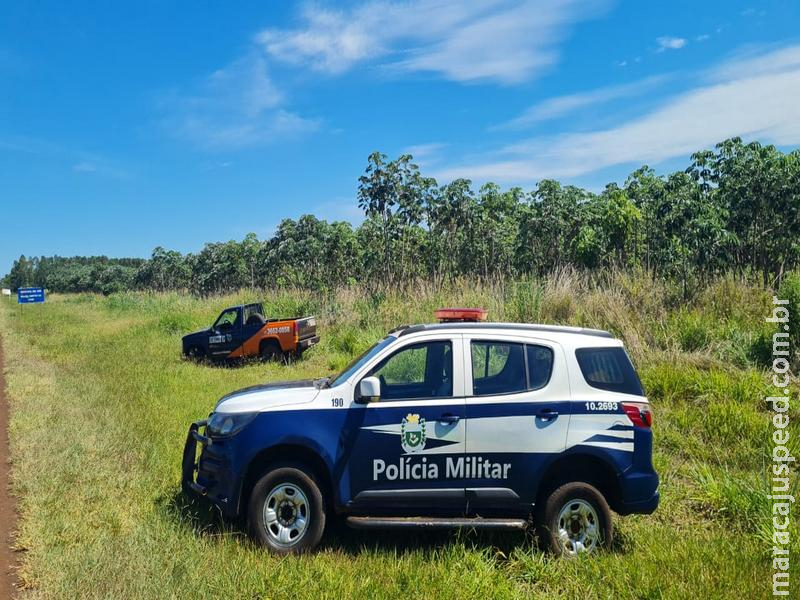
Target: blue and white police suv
454 424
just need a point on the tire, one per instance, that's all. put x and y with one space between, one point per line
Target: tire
270 351
286 511
575 519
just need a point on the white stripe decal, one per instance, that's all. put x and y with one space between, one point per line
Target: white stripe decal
514 435
519 434
625 447
626 435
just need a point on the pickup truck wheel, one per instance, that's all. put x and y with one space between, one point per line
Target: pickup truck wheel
575 519
270 351
286 511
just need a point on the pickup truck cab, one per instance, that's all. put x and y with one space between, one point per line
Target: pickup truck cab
243 331
445 425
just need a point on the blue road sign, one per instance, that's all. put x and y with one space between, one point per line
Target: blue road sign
30 295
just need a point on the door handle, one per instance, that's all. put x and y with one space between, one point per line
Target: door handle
547 414
448 418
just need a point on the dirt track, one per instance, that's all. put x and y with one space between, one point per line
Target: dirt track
7 505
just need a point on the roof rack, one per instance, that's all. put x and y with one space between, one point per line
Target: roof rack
483 326
398 328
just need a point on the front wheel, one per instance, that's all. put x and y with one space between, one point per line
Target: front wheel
575 520
196 353
286 511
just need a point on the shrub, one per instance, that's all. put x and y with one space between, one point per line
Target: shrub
173 323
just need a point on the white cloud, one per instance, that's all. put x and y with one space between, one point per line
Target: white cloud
332 41
426 155
738 98
751 63
670 43
506 41
702 37
67 157
84 167
424 150
560 106
236 106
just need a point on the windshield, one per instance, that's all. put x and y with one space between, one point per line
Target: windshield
227 320
356 363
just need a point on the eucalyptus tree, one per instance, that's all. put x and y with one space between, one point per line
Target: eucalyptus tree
621 222
549 222
736 207
451 214
219 267
647 191
496 229
165 270
759 189
394 194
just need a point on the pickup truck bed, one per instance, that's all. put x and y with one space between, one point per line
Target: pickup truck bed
243 331
279 336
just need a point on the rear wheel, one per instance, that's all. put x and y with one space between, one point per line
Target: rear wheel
286 511
575 519
270 351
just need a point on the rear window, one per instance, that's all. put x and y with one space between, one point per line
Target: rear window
609 369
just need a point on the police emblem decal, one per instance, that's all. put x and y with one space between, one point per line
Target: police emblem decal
412 433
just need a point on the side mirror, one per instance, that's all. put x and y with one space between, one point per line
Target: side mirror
369 390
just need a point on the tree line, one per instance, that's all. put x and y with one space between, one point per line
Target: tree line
735 208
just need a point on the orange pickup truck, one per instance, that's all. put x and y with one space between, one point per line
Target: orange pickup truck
243 331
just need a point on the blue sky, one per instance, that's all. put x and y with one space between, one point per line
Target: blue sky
125 126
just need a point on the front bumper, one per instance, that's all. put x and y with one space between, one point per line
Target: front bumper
190 463
210 475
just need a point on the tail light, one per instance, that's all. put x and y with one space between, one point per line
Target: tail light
639 413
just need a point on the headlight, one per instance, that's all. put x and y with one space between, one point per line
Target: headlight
228 424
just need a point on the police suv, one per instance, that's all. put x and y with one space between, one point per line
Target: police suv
454 424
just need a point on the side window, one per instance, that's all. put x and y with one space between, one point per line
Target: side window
540 366
609 369
422 370
497 368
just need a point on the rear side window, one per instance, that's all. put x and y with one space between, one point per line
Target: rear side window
507 368
497 368
540 366
609 369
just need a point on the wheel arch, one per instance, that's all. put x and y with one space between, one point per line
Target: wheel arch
582 466
269 340
291 452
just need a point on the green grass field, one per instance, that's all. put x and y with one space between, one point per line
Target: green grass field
101 401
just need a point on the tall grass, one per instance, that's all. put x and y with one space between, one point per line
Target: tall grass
101 401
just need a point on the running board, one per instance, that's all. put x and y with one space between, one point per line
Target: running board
434 523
